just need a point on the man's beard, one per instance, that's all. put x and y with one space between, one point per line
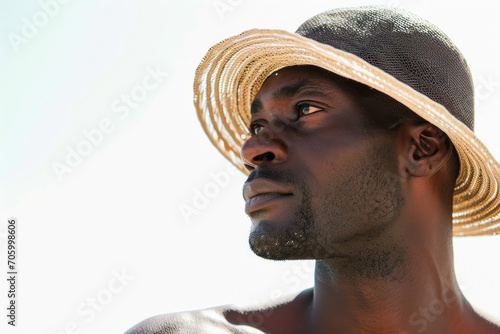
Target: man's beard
289 241
302 239
353 211
277 242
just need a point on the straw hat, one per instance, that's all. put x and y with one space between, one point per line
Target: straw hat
388 49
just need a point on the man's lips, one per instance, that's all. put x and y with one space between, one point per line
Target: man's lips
260 192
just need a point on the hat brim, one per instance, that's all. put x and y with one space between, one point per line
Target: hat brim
232 72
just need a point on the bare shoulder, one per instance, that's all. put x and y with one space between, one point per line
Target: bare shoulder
228 319
165 323
194 322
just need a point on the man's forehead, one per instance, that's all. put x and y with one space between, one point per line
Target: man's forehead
292 81
300 71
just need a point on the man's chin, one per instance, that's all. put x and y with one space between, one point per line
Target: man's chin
275 243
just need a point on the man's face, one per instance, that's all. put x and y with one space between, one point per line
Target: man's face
322 181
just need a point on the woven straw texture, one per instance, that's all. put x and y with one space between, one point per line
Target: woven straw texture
437 86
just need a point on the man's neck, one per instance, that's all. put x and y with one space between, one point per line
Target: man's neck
406 285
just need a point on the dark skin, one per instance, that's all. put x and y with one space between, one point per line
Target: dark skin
368 196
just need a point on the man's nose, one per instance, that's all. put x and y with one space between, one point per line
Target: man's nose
267 146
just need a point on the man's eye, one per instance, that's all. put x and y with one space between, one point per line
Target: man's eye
306 109
255 129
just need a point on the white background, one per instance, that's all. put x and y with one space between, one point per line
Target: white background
118 211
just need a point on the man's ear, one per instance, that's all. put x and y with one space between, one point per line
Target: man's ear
427 151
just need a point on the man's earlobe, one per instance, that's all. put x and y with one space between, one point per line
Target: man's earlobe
428 150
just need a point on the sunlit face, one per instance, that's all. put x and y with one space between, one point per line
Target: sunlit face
321 179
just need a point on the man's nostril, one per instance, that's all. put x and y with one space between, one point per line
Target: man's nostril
268 156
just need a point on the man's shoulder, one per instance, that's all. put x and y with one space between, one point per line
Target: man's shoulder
165 324
232 319
200 321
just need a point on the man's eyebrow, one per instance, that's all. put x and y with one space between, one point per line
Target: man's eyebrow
256 106
288 91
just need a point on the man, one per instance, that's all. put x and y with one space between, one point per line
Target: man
357 136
